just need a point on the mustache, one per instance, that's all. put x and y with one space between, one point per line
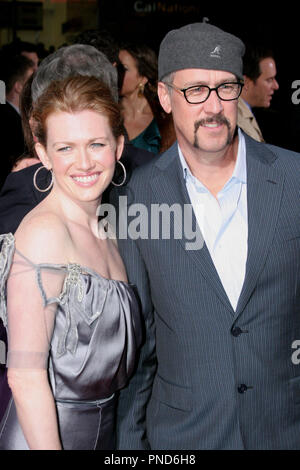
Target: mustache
217 119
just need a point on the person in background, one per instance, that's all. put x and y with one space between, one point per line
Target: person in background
72 319
29 50
15 71
260 83
29 157
24 48
146 123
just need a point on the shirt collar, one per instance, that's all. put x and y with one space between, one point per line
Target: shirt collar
247 104
240 170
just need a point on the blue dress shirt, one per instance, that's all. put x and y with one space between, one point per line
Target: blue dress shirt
223 222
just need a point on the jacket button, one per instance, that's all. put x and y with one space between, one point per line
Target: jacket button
242 388
236 331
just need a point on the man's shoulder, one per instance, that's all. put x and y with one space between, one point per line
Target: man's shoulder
134 156
17 197
285 160
7 112
21 180
273 153
157 164
138 187
284 153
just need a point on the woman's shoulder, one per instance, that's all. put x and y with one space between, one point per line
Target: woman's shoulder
43 237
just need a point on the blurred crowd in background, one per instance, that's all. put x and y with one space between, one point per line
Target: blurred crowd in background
146 125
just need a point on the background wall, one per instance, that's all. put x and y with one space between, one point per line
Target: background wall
60 20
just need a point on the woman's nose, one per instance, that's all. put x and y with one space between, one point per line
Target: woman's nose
84 160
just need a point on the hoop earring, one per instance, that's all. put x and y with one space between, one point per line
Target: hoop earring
35 176
124 177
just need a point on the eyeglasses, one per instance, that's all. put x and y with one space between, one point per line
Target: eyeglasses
228 91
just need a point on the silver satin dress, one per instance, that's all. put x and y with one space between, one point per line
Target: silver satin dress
94 344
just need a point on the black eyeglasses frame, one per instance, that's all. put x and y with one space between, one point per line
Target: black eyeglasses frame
184 90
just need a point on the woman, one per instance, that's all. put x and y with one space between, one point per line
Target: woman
147 125
73 320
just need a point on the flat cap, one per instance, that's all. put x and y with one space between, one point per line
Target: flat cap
200 45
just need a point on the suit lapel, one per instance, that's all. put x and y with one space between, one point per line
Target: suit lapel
264 192
169 187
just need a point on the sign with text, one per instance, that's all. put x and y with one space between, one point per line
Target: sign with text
148 19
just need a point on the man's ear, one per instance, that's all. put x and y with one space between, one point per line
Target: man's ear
164 97
18 87
248 83
42 154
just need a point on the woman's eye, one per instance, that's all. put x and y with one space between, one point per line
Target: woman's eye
97 145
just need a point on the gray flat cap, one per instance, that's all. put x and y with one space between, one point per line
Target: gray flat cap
200 46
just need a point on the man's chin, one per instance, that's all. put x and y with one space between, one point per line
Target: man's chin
216 144
211 147
268 103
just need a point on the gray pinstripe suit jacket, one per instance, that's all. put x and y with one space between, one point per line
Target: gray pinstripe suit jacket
189 388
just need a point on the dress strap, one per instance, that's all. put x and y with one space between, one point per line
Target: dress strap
7 249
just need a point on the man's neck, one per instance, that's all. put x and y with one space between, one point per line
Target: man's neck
14 101
247 98
212 169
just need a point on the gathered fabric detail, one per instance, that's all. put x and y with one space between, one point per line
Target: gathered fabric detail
69 339
72 279
78 296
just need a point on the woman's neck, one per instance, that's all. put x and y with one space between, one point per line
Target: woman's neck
135 106
84 213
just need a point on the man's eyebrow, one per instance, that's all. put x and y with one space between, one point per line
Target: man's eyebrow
206 83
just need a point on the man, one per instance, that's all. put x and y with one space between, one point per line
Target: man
23 48
216 369
29 50
15 73
259 86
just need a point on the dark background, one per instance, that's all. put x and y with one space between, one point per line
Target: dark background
274 24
